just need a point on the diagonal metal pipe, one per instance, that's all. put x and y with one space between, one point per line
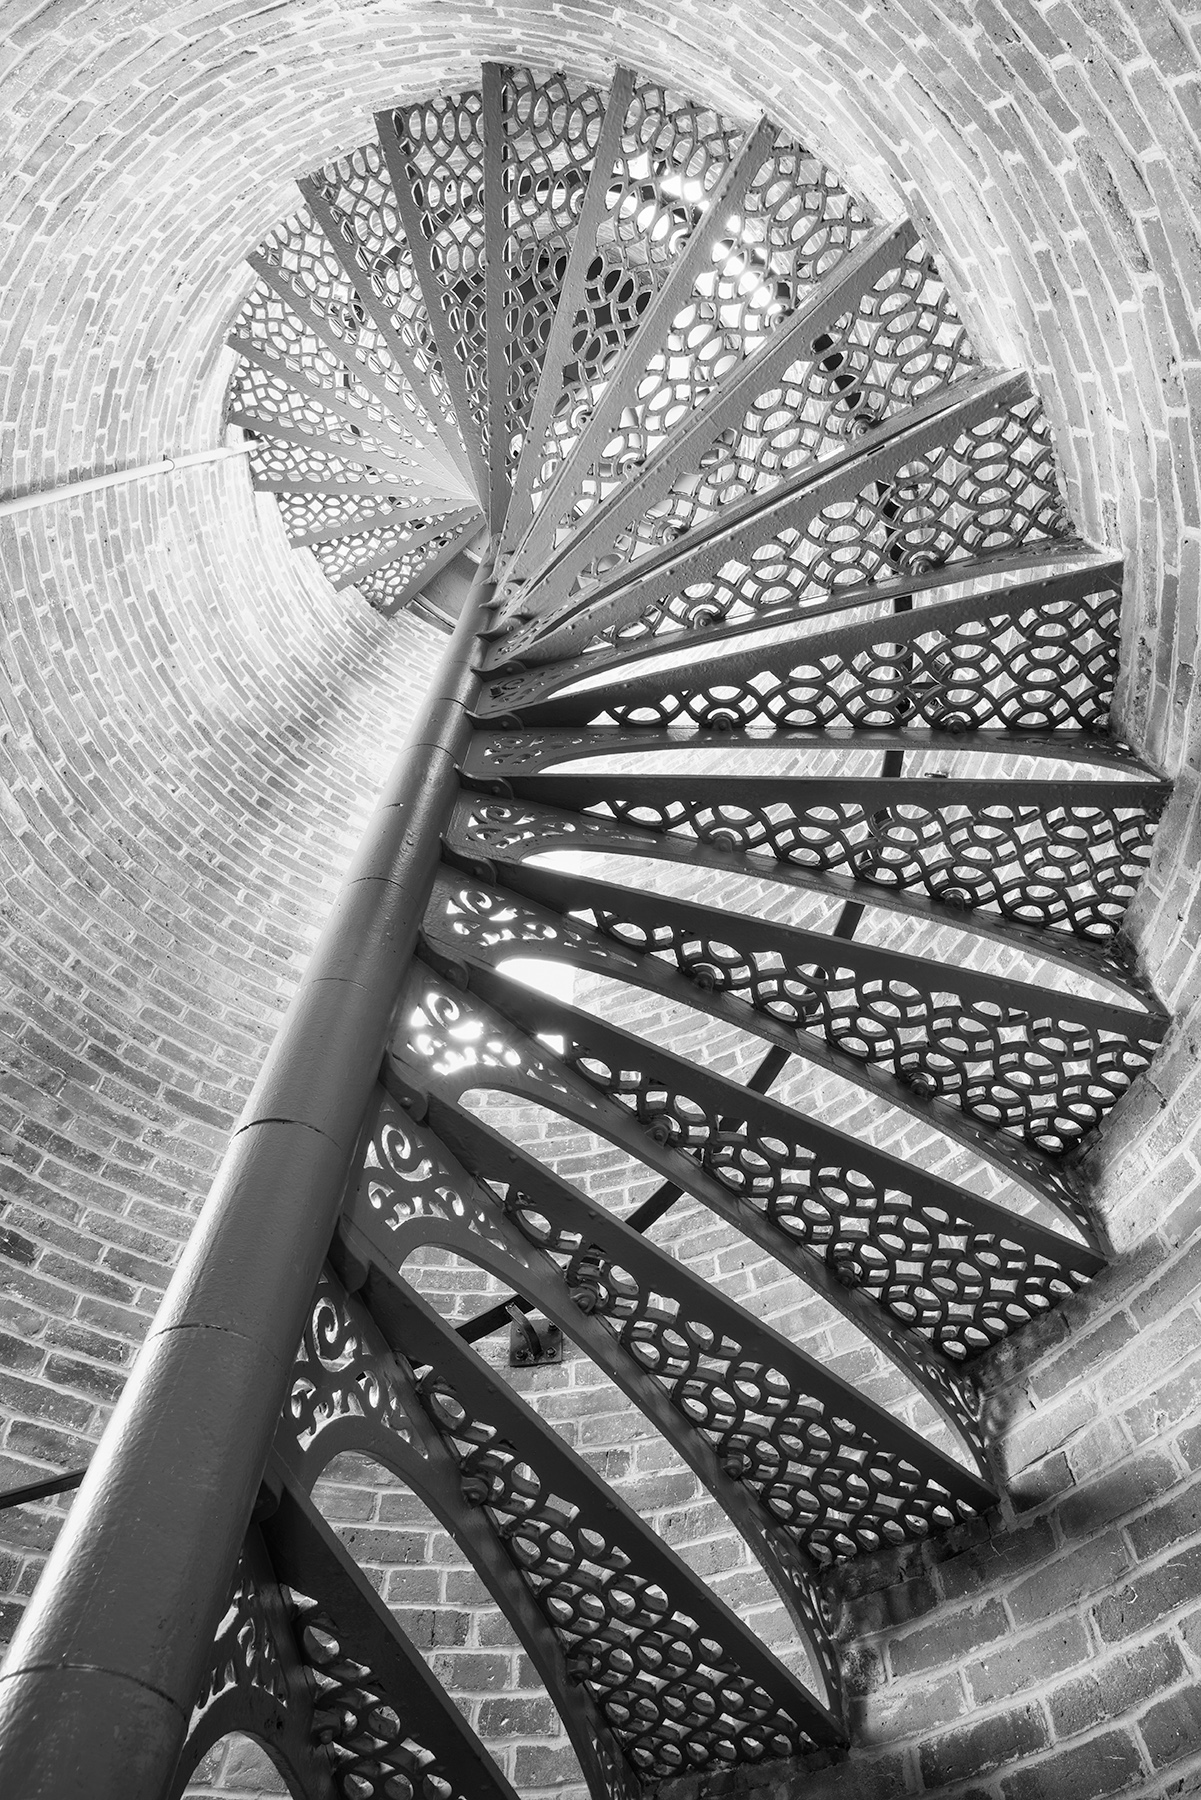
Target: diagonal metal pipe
20 503
99 1683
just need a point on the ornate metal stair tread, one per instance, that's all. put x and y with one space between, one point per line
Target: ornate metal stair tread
693 455
960 665
1041 1062
415 1189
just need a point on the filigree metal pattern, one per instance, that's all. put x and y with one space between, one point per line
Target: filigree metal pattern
956 1271
443 139
340 1373
902 340
434 1198
673 1696
255 1683
897 502
245 1653
669 363
310 269
403 1183
672 155
453 1045
367 218
1034 861
469 927
340 513
374 1750
275 460
1027 1059
965 1288
405 548
484 832
835 1491
1041 1075
794 223
337 351
552 128
272 392
994 488
1016 662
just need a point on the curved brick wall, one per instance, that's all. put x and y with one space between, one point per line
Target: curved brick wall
196 727
195 730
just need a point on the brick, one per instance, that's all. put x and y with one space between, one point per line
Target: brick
1172 1727
908 1710
18 1355
1028 1662
59 1449
469 1671
1168 1404
1155 1593
953 1637
494 1630
17 1247
1109 1764
342 1505
1176 1286
1115 1686
377 1545
1082 1354
1179 1517
976 1749
463 1587
539 1766
513 1717
40 1401
411 1587
432 1627
897 1604
1064 1583
1116 1494
996 1560
1044 1482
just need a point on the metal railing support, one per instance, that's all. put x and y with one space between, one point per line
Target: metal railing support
99 1683
20 503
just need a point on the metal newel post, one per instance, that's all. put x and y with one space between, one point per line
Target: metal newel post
99 1684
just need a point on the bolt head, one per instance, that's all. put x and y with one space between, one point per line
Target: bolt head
846 1270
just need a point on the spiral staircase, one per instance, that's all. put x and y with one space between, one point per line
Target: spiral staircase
776 594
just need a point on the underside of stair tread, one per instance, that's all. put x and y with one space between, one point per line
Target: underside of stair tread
792 747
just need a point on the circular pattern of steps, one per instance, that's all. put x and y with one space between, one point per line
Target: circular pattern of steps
793 714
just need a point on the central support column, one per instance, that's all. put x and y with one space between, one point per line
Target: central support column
98 1686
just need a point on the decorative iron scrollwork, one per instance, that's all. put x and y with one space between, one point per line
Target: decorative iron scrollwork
1048 1065
942 1263
246 1653
342 1372
692 389
681 1683
256 1683
1022 849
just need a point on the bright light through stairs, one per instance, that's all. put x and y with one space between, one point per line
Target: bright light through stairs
786 601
